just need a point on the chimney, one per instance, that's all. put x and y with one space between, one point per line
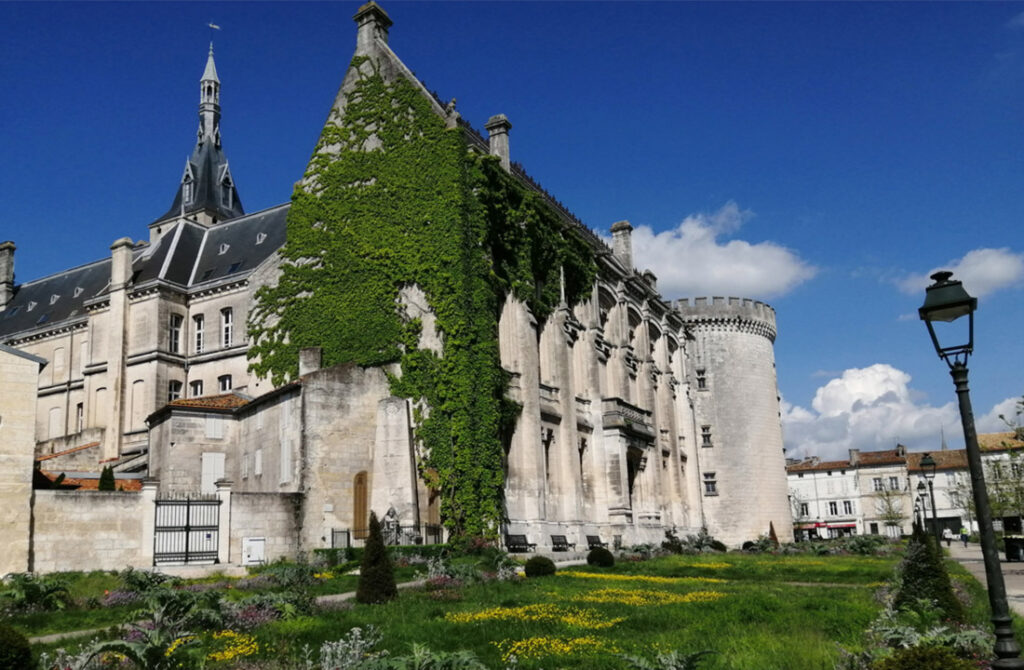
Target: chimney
622 243
310 359
6 273
120 263
373 24
854 457
498 126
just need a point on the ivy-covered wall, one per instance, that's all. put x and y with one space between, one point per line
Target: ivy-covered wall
392 198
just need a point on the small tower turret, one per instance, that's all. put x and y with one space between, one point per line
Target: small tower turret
206 194
209 103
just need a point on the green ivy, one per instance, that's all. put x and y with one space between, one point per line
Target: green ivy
392 198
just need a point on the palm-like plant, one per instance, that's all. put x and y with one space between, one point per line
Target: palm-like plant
26 591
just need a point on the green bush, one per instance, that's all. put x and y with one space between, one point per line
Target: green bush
27 592
15 652
923 576
376 575
923 658
540 566
107 482
600 557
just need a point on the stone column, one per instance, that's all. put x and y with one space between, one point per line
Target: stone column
148 504
224 520
117 346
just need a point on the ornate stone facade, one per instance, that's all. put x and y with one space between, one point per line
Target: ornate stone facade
638 415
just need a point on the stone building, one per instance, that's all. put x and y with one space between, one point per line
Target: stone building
637 414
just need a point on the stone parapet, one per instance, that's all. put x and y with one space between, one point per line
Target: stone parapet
740 314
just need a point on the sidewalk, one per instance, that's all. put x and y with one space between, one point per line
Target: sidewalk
1013 573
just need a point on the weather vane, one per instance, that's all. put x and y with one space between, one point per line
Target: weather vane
213 26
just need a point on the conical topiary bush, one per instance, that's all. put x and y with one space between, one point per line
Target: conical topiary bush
376 576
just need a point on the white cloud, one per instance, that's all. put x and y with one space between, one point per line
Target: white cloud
992 423
868 408
692 260
982 271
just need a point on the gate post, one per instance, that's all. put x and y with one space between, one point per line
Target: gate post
148 503
224 520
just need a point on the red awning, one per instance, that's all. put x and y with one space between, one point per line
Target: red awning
842 525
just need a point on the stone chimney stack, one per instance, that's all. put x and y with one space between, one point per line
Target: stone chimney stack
498 126
310 360
121 263
373 24
6 273
622 243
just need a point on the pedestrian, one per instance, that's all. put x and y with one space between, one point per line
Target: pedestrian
947 535
964 535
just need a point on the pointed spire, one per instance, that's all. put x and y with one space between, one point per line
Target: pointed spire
206 193
210 73
942 432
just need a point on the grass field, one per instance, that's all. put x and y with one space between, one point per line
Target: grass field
751 611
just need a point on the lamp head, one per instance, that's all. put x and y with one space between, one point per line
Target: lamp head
928 466
946 301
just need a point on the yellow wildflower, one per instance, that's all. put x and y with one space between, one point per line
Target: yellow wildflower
535 647
181 641
235 645
642 597
323 575
546 612
711 566
642 578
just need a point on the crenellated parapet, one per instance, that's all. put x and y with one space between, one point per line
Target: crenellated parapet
732 314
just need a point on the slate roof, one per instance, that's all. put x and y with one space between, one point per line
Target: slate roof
188 255
209 167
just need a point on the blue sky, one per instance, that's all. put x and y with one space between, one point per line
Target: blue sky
823 157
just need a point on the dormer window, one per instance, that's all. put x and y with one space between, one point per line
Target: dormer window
188 180
31 305
260 237
78 291
223 249
54 298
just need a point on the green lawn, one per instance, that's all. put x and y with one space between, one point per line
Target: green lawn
752 616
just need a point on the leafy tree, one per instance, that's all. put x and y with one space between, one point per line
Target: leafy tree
889 507
376 575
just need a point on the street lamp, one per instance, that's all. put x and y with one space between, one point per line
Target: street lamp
923 499
928 466
946 301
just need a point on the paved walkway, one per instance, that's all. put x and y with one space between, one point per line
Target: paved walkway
1013 572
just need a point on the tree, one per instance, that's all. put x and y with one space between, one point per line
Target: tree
107 482
376 576
889 506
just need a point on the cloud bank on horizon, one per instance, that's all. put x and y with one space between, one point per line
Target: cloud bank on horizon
694 259
875 408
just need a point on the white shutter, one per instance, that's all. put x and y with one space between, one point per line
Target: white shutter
212 470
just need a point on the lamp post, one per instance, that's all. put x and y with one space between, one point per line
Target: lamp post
946 301
923 499
928 466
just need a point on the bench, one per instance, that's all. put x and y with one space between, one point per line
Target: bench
559 543
594 541
518 543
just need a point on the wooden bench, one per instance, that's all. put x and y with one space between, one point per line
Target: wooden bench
518 543
560 543
594 541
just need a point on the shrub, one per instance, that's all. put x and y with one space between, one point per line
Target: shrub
376 576
29 592
600 557
923 576
693 544
15 652
540 566
917 658
141 581
106 482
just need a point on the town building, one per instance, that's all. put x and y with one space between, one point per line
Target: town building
884 492
636 414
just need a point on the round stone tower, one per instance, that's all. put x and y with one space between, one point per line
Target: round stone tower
731 371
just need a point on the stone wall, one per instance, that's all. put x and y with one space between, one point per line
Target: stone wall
92 530
274 517
17 446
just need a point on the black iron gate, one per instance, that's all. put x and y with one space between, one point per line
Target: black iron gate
186 531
